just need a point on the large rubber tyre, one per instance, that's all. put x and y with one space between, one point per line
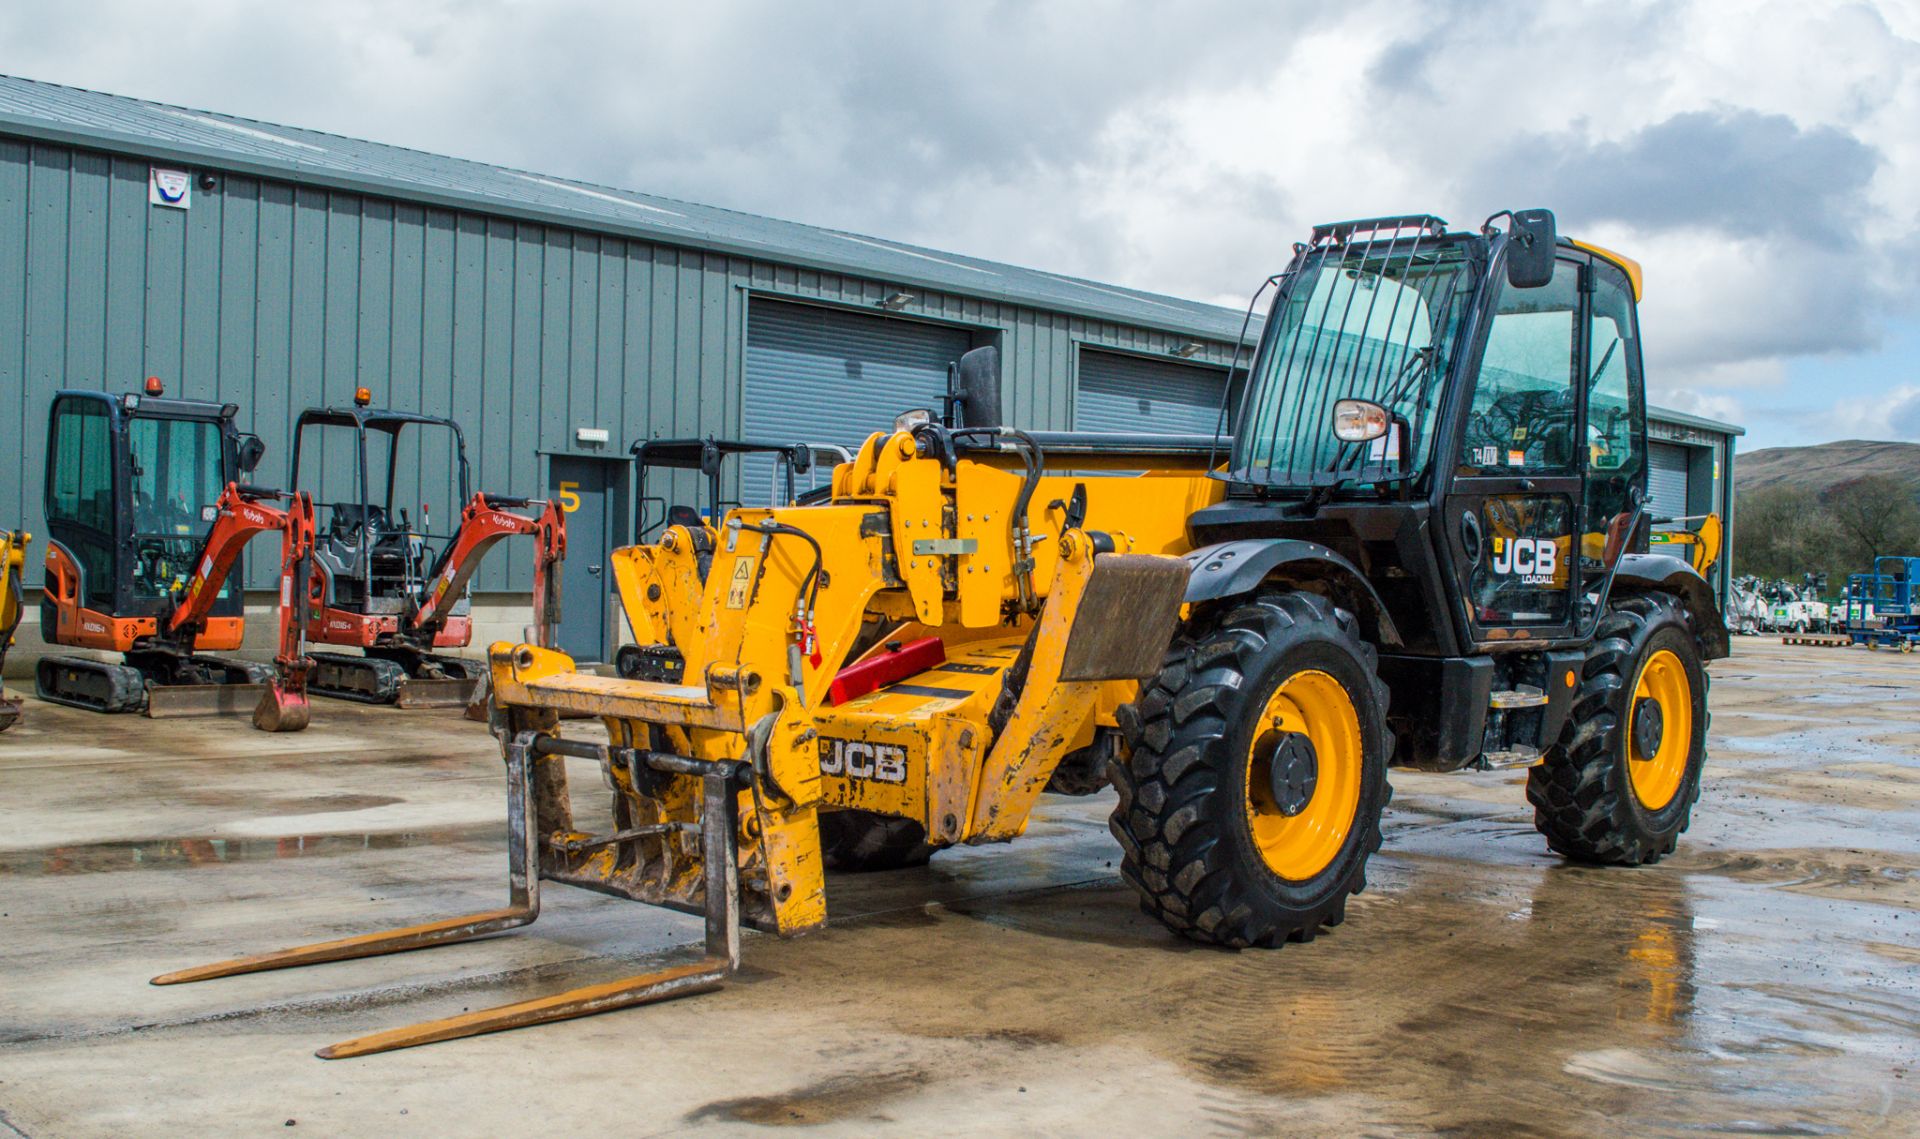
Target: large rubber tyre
1200 733
1593 798
861 841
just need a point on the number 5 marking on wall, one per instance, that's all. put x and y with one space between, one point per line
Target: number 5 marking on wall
569 497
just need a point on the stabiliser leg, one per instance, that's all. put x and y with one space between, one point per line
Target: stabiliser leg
720 865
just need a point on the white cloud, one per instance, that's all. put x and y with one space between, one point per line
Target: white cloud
1888 415
1178 148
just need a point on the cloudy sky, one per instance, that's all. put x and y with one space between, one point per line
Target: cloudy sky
1761 160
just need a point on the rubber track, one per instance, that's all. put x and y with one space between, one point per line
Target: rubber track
1180 729
386 675
126 687
1580 794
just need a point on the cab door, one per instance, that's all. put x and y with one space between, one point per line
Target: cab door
1615 433
1513 510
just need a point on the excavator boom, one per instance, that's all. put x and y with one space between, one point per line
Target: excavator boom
241 514
484 522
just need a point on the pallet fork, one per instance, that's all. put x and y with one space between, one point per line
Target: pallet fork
720 782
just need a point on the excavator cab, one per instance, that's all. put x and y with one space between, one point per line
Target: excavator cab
388 580
146 519
375 474
774 479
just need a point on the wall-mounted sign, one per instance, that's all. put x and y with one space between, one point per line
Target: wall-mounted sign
169 187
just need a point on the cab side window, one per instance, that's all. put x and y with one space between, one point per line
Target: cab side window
82 489
80 493
1615 452
1524 405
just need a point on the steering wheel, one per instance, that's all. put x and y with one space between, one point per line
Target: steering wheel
1521 419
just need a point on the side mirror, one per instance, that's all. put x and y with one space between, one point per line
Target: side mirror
251 450
973 385
1530 241
1359 420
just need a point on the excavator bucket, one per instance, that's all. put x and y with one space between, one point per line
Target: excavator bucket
282 708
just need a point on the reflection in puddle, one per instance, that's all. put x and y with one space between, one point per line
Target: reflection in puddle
173 853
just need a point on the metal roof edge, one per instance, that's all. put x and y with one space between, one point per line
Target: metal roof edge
138 146
1668 415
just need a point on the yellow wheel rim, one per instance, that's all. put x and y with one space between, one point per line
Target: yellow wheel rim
1299 845
1662 680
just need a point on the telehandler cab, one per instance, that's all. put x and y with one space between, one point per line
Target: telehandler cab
13 563
392 587
146 520
1424 544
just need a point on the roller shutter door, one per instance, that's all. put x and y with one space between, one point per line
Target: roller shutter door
820 375
1667 479
1137 394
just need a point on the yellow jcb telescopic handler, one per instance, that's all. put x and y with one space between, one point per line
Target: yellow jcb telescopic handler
1424 544
13 565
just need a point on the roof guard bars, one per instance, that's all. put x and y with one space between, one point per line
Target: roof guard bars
1340 232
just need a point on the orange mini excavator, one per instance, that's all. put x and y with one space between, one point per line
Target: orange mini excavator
146 520
386 583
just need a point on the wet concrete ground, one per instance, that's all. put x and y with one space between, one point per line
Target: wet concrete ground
1764 981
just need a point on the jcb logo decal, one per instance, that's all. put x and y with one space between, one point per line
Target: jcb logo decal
857 759
1536 560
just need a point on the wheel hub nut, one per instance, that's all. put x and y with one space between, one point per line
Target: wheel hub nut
1649 726
1293 772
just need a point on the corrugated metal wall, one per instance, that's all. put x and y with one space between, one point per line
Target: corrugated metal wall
279 297
824 375
1667 484
1133 393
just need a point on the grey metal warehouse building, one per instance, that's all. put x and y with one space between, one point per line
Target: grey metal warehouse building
540 311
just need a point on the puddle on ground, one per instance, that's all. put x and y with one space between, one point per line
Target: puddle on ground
1574 998
1856 875
176 853
839 1099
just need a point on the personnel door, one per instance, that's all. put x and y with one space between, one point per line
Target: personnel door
592 495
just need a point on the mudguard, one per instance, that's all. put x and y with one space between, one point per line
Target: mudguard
1230 569
1664 573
